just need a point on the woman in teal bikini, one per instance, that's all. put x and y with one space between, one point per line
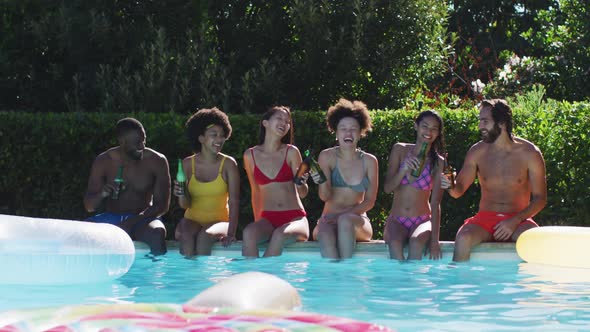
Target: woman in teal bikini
415 211
352 182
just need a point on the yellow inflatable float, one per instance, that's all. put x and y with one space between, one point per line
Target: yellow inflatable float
566 246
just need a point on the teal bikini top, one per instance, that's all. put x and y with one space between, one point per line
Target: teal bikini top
338 181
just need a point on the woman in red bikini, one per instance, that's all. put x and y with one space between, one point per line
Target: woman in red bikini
278 212
415 211
352 182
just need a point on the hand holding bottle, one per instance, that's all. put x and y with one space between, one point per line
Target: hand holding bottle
180 182
118 186
410 163
107 190
448 178
178 189
317 175
421 160
309 167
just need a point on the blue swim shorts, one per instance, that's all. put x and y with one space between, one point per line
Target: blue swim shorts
117 218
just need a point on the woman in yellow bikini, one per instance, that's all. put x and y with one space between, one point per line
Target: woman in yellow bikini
212 195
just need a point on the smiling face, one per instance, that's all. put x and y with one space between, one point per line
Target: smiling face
212 139
348 132
488 129
133 143
428 129
279 123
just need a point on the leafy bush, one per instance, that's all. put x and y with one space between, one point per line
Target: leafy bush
118 56
46 157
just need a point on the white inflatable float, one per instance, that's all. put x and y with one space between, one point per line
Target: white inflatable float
566 246
250 290
51 251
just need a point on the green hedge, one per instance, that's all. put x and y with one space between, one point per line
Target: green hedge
46 158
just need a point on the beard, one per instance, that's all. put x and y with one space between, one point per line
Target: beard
135 155
490 136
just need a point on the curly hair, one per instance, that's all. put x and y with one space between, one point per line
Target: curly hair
345 108
501 113
199 122
288 138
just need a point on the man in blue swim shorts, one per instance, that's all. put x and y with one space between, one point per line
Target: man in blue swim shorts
131 183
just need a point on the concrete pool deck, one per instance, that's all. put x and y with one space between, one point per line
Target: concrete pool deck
376 248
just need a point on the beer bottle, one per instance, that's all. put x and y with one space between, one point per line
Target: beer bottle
303 168
449 171
422 157
118 183
180 177
317 175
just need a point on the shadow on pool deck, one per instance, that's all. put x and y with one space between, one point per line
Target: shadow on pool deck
376 248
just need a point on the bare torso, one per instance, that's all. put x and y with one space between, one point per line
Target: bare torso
503 175
139 180
276 196
353 172
407 200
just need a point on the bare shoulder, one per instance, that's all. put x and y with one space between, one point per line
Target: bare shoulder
153 155
229 160
292 150
247 156
327 157
401 148
527 146
248 152
328 154
370 158
477 149
402 145
105 158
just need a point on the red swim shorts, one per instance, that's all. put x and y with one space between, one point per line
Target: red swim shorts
489 219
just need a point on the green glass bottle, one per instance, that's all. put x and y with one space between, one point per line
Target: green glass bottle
309 164
422 157
317 175
118 183
181 178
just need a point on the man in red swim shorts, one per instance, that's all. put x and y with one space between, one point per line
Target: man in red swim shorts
511 174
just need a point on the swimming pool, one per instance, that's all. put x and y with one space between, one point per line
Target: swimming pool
495 291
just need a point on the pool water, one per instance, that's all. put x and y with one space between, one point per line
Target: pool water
492 295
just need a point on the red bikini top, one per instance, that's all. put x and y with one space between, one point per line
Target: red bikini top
285 173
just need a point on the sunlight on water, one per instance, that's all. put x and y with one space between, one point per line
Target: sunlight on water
427 295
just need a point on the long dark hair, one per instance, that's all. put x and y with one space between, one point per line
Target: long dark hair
438 146
288 138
